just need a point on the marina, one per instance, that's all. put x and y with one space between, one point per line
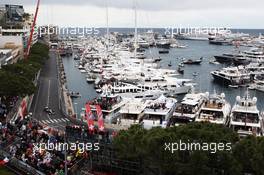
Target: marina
149 75
131 87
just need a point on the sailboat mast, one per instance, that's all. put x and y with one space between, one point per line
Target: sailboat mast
107 28
136 32
107 35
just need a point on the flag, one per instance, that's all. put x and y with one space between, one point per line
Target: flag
30 124
23 109
4 161
100 118
89 117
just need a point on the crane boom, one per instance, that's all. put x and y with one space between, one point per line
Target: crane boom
32 31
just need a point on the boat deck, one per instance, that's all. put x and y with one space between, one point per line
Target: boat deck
213 105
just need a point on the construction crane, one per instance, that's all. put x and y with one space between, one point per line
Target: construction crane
32 31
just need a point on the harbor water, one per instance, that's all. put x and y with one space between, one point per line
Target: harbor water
76 81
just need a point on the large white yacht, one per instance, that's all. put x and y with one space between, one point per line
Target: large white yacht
110 104
232 75
169 84
258 83
245 117
215 109
189 108
255 54
158 112
131 112
146 95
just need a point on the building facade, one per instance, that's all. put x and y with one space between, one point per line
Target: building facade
11 49
15 22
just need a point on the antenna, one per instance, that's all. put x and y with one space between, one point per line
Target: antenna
214 91
247 94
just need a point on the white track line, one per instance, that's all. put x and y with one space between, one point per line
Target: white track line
48 94
43 121
51 121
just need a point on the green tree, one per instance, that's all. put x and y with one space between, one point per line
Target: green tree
26 70
250 154
15 85
17 79
149 146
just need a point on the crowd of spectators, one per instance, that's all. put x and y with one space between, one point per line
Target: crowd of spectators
106 103
186 109
6 105
19 140
246 117
157 106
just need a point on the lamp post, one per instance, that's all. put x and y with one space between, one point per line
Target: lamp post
65 156
76 113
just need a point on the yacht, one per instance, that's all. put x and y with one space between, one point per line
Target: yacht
192 36
220 41
139 55
81 67
255 54
143 44
239 75
241 61
146 95
242 58
259 86
245 117
157 112
131 112
258 83
227 57
163 43
152 60
76 57
90 80
188 109
190 61
232 75
74 94
215 109
83 71
172 85
110 104
255 69
164 51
